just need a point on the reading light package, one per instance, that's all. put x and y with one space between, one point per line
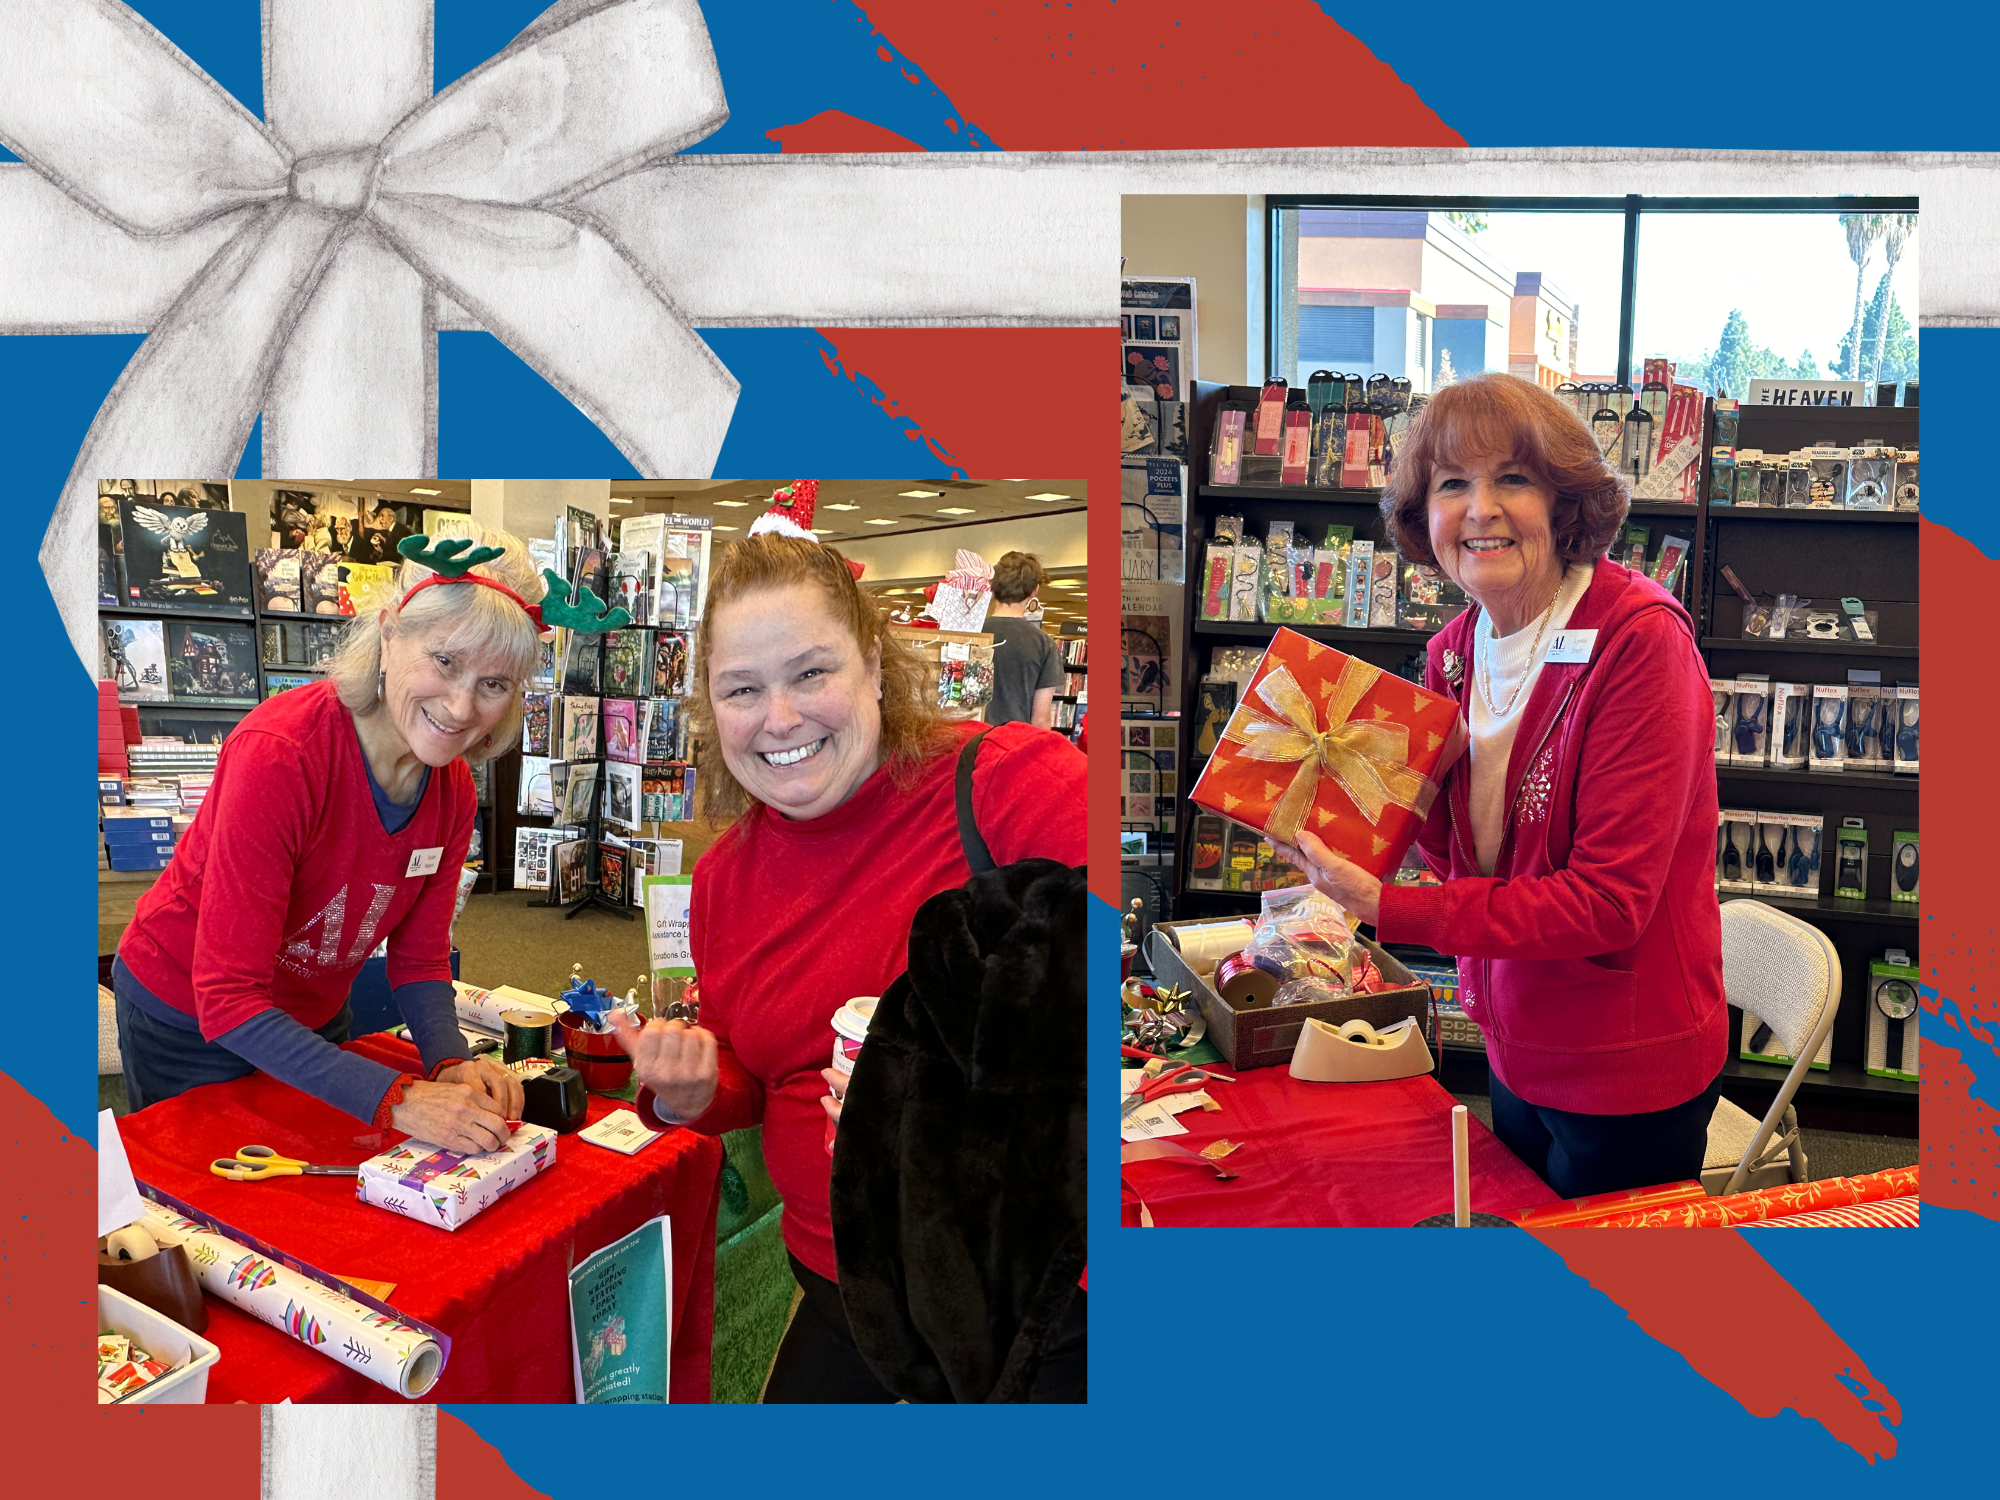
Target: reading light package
1864 723
1791 718
1870 469
1906 730
1903 482
1828 748
1750 735
1850 862
1736 851
1892 1016
1903 865
1723 691
1827 486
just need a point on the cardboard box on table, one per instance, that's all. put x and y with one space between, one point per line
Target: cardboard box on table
1258 1036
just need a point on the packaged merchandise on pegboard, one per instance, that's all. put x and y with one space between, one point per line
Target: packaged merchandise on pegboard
1892 1016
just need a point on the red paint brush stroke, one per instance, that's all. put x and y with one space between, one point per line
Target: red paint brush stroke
1679 1288
470 1468
1957 936
835 130
1098 77
48 1286
998 402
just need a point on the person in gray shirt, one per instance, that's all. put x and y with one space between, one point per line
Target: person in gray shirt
1027 663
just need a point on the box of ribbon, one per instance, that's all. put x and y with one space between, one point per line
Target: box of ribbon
1327 742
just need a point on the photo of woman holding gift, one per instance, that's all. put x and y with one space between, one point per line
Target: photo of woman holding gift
831 755
338 819
1576 839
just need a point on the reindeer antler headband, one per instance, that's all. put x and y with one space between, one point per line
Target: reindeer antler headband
452 562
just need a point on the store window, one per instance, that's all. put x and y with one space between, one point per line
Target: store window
1433 294
1735 297
1729 291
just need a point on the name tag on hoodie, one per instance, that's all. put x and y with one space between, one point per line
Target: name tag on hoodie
1571 647
424 862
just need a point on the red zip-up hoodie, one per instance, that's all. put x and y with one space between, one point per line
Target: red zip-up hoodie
1592 956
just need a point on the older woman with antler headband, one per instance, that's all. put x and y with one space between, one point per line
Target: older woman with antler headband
339 817
1578 837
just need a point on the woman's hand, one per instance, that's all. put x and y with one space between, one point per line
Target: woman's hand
836 1082
455 1116
1358 892
490 1079
673 1059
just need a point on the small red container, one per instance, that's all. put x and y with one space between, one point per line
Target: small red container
596 1056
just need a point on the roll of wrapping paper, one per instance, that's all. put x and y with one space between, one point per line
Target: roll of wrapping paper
483 1008
366 1335
1603 1205
1204 946
1765 1203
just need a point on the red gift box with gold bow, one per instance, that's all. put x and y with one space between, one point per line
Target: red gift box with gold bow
1327 742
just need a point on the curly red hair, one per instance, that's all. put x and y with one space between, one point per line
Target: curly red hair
1495 415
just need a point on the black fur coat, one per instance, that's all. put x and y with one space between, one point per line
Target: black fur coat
958 1170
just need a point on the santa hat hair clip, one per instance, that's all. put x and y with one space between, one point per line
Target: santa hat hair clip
791 514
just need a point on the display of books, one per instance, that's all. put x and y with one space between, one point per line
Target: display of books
579 727
579 662
537 719
184 557
621 795
632 585
577 793
280 682
279 580
211 663
537 797
570 861
670 663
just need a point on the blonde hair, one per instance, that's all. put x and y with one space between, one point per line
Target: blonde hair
471 619
913 728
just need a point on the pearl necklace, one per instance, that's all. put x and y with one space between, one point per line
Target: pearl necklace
1492 644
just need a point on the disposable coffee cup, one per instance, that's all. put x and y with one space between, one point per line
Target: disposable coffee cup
850 1030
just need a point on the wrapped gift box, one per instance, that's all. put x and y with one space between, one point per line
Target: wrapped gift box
1324 741
439 1187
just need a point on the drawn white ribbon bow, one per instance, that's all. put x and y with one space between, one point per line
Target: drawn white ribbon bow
303 265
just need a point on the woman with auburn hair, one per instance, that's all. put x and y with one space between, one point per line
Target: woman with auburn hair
1577 840
827 748
338 819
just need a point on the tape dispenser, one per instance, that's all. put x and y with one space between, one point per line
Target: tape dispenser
1355 1052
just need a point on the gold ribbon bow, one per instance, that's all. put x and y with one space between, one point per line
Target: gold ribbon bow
1369 759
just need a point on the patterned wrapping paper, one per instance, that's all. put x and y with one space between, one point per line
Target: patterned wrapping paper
444 1189
483 1008
1767 1203
1325 741
367 1336
964 594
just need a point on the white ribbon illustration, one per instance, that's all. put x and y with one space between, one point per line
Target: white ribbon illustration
301 266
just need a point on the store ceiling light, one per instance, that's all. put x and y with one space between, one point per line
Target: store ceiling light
920 494
839 505
1067 583
722 528
953 510
426 492
1048 495
621 500
882 521
733 504
821 531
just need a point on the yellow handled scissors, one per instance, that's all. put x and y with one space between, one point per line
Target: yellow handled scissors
255 1163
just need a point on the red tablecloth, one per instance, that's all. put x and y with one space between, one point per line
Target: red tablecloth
1320 1154
498 1286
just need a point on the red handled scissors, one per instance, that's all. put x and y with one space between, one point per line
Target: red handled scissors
1185 1079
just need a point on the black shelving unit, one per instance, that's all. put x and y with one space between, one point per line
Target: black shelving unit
1817 553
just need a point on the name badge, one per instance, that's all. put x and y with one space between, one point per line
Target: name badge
1571 647
424 862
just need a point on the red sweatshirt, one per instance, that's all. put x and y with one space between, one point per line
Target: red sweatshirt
1592 957
287 882
791 919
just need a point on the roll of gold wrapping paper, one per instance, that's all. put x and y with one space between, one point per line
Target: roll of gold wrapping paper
1765 1203
407 1360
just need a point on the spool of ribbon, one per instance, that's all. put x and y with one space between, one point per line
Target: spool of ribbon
1368 759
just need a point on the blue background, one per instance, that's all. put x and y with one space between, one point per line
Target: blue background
1308 1360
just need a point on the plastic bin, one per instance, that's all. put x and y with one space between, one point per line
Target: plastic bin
165 1339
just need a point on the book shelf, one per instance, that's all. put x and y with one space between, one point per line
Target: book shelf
1821 554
